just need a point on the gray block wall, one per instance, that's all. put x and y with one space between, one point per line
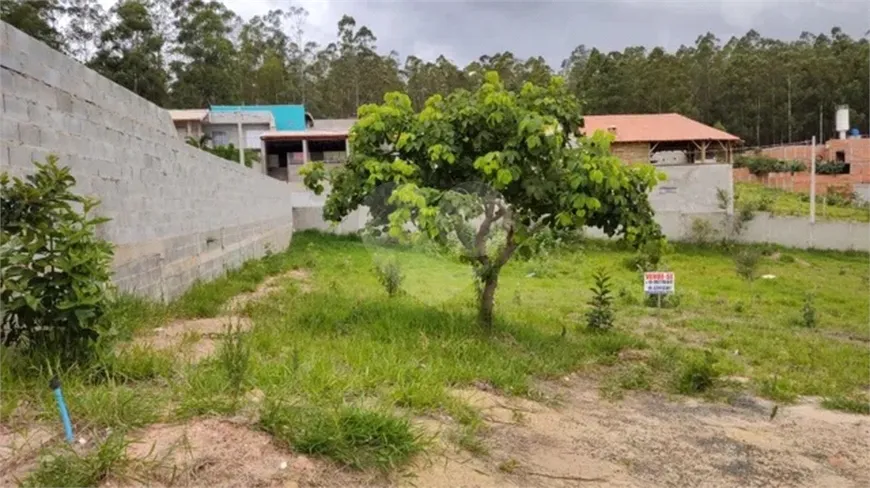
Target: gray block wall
178 214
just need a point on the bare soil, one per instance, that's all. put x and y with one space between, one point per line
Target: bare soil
648 440
224 453
572 438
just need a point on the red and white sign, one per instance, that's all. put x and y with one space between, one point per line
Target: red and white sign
658 283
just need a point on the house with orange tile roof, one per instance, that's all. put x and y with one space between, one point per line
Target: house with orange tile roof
663 138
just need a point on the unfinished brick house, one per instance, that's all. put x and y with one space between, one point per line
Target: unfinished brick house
854 152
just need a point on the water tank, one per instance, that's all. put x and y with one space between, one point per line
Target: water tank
842 121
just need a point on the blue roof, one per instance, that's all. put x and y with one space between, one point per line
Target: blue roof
287 117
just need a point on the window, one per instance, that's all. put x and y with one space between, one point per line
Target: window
219 138
841 156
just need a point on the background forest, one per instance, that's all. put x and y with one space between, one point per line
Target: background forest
192 53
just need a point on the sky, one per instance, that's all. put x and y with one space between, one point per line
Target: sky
464 30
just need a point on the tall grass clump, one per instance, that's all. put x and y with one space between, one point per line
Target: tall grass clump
390 276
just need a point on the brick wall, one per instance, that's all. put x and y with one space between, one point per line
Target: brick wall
631 152
855 151
178 214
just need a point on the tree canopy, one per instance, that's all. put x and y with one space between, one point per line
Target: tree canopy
475 164
766 91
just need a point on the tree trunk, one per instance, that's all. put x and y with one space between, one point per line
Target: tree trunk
487 302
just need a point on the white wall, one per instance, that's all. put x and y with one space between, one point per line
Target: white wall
177 213
690 188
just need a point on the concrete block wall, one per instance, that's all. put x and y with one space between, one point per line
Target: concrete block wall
691 188
178 213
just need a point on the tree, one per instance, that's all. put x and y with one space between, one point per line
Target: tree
84 21
508 161
130 52
206 71
36 18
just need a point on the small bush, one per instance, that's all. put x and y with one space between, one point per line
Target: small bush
234 356
390 276
697 374
55 271
670 300
648 257
600 316
69 468
352 436
787 258
702 231
746 263
808 313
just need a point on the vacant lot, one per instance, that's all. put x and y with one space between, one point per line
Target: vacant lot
326 380
781 202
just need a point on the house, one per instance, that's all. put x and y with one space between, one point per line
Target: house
324 140
663 138
287 135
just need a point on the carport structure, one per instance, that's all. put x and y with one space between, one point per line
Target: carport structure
663 138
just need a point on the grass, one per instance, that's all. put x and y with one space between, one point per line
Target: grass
353 436
782 202
67 467
344 368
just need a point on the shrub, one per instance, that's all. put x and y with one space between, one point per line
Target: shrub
697 374
808 313
649 256
390 276
702 231
831 168
55 271
746 263
669 300
600 316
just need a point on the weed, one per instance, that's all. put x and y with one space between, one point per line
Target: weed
600 316
466 438
509 466
626 297
786 259
777 389
746 262
390 276
110 404
702 231
352 436
857 404
69 468
740 307
697 373
234 356
808 313
666 300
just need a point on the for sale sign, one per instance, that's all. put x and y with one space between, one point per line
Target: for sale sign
658 283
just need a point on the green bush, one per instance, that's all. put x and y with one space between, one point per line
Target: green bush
55 271
231 153
746 263
390 276
600 315
808 313
831 168
697 373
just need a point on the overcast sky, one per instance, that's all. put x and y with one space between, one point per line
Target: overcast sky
464 30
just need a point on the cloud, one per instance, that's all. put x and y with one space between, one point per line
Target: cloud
464 30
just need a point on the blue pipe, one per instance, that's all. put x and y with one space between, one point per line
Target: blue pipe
61 405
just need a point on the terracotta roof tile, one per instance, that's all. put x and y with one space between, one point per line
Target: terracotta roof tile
654 128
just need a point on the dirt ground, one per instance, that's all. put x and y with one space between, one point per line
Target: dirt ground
644 440
649 440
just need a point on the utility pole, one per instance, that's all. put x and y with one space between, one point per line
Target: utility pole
813 182
789 108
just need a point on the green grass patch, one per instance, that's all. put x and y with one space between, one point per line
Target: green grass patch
66 467
857 404
353 436
782 202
